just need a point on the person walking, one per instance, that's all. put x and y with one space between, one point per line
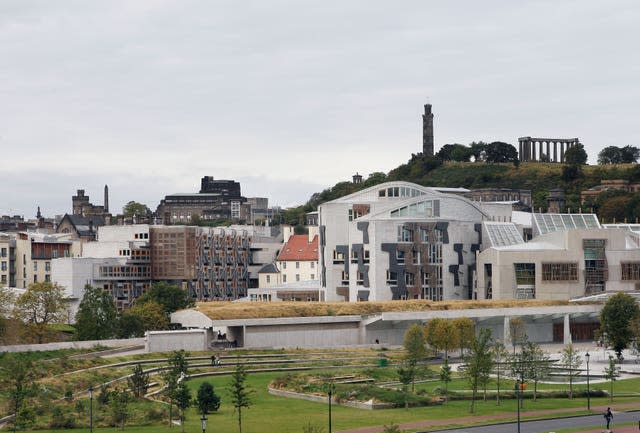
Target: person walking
608 416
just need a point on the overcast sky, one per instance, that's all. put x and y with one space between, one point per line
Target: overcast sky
290 97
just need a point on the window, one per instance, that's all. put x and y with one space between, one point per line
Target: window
35 278
366 256
297 265
4 266
345 277
409 279
3 252
435 253
630 271
405 234
560 272
350 214
284 278
268 278
47 266
392 277
525 274
3 279
313 276
359 278
416 257
284 265
54 254
297 277
338 257
47 278
313 265
35 266
400 257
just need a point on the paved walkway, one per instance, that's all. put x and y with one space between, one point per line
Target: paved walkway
500 418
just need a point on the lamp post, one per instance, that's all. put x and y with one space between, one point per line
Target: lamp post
330 390
587 356
91 409
203 423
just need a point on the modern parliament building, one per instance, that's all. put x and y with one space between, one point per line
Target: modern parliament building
400 240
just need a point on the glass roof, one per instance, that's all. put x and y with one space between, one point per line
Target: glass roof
548 223
503 234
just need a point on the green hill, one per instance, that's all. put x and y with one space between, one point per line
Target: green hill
536 176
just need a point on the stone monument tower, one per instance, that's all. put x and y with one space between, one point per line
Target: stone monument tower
427 131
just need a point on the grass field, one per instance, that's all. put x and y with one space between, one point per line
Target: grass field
271 414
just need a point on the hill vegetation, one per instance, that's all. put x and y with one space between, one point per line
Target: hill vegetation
539 177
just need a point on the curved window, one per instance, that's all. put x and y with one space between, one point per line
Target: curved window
424 209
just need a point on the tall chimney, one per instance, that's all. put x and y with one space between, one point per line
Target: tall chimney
106 199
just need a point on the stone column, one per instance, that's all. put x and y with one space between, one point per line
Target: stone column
548 152
562 151
567 330
555 151
540 152
520 150
506 334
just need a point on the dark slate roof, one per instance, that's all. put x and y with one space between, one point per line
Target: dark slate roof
83 223
269 269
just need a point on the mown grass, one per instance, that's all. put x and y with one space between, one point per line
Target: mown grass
271 414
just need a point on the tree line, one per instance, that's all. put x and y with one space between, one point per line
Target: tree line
33 314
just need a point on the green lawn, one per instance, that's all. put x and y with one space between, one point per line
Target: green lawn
271 414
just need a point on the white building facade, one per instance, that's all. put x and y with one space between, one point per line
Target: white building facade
399 240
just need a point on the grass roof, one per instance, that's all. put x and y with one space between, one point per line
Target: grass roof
256 310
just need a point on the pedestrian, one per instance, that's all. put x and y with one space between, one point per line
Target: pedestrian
608 416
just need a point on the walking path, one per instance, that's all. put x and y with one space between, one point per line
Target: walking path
499 419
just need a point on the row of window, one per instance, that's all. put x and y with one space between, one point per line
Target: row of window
47 266
284 277
525 273
410 278
406 234
399 191
312 264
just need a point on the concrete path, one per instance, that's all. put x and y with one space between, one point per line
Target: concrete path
504 423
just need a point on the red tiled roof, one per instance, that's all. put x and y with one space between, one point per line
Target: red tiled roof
298 248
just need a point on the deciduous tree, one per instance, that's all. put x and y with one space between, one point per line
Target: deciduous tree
240 394
414 341
170 296
500 356
445 378
183 400
479 363
119 400
571 362
138 381
611 373
96 318
41 305
465 328
133 208
615 317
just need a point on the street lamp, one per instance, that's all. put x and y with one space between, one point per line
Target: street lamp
330 389
91 409
587 356
203 422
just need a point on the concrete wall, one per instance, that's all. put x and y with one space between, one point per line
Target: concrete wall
193 340
72 345
302 335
